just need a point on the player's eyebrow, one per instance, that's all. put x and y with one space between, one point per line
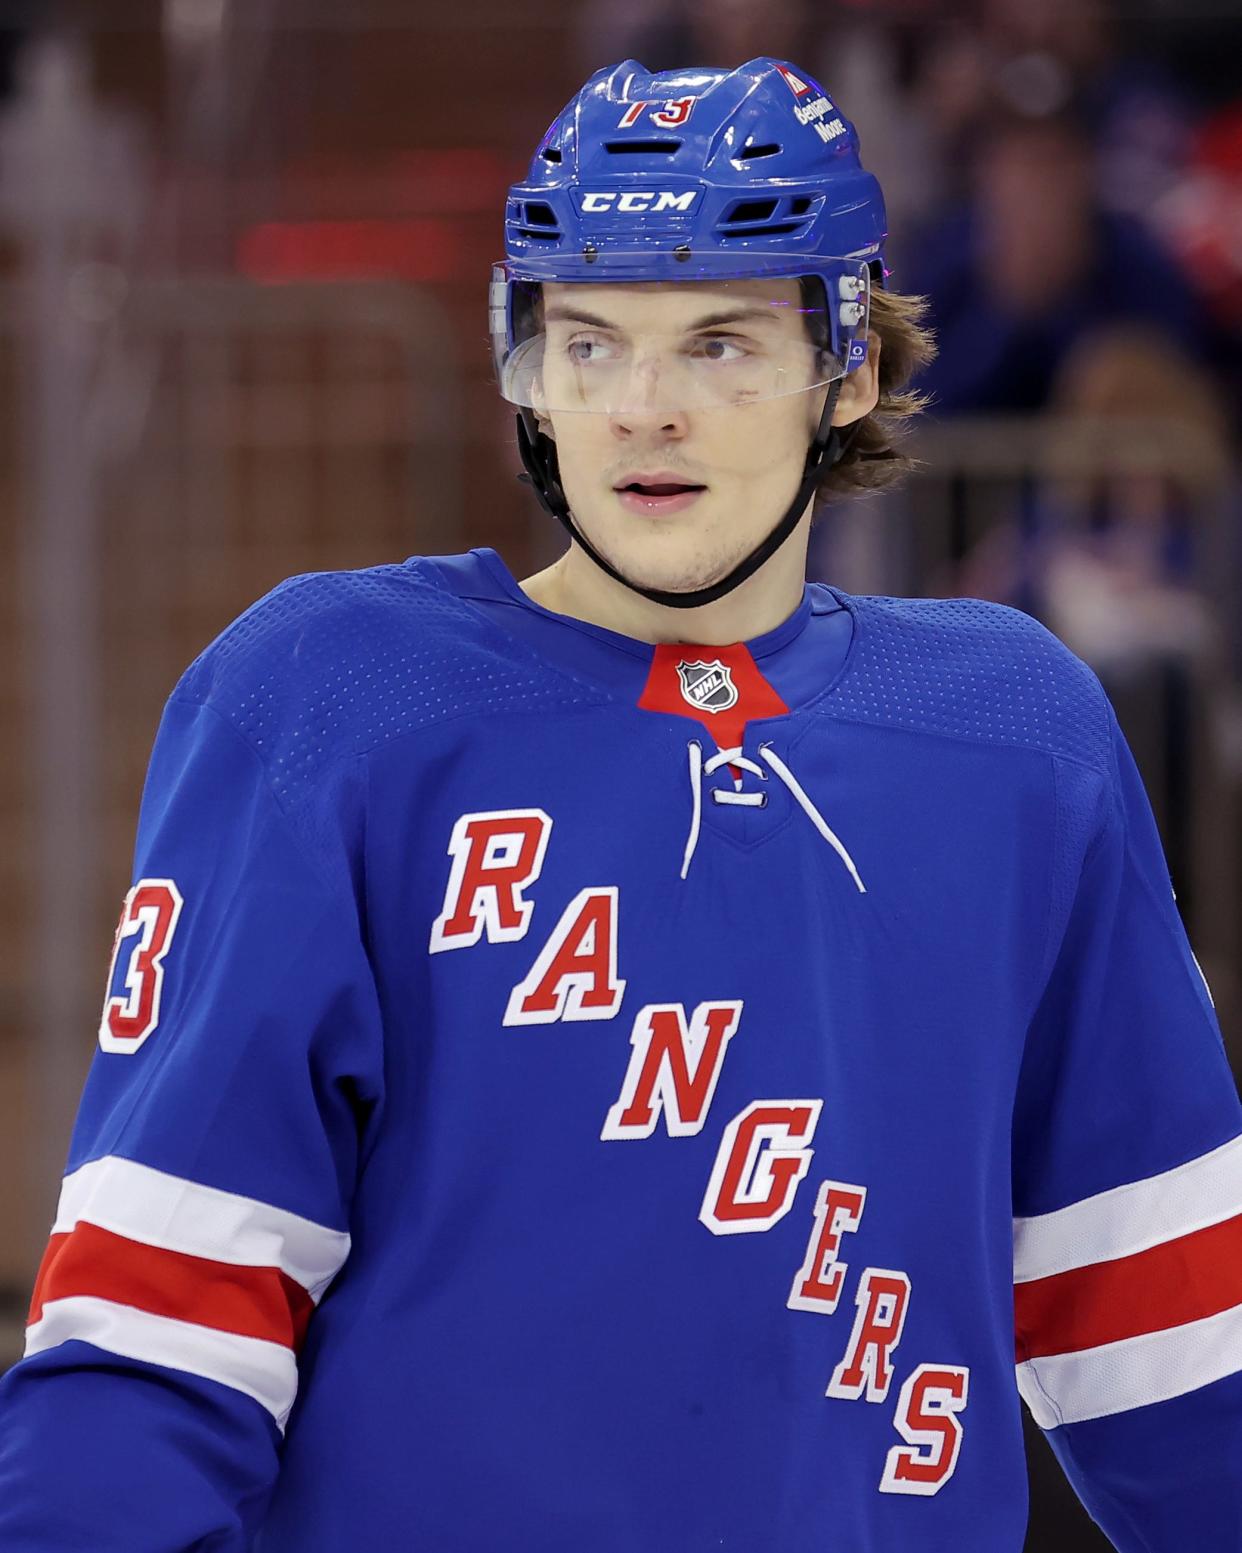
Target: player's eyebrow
732 315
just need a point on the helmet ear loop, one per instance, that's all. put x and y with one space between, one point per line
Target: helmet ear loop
538 454
830 443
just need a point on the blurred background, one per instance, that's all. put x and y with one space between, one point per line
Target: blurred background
244 250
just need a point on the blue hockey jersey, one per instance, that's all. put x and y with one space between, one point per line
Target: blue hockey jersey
564 1095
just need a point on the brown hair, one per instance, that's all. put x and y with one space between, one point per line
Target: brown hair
874 459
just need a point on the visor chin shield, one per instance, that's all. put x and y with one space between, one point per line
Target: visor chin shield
599 342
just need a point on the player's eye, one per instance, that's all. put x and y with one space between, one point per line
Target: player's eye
585 350
716 347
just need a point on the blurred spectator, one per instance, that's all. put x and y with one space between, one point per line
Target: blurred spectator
719 34
1119 545
1039 58
1202 220
1029 265
1109 550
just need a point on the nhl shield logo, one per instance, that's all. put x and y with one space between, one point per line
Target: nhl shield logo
708 687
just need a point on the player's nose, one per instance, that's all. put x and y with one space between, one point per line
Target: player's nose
642 404
669 424
629 420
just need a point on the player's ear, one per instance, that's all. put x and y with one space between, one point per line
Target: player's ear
539 404
860 392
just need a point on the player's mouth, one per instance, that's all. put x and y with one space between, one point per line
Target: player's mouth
653 495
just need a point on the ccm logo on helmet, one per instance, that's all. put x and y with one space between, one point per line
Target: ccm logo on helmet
638 202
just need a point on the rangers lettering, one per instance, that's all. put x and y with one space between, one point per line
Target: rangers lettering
883 1298
575 976
838 1211
925 1418
753 1187
672 1068
496 853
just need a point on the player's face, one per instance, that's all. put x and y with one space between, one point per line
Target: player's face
729 461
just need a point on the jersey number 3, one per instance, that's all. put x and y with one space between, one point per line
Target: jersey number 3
144 936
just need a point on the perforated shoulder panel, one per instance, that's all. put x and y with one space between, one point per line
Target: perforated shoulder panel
970 669
331 664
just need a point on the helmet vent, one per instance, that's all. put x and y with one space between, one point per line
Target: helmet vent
534 219
750 153
746 211
777 229
642 147
551 154
767 218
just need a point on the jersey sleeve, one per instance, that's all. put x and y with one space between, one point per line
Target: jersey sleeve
205 1209
1127 1171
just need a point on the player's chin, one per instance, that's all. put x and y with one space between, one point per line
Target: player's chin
671 562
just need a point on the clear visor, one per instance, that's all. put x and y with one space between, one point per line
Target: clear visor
672 345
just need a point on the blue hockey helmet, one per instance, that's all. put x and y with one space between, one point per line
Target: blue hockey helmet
691 175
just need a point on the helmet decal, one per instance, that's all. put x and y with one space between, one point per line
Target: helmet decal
796 84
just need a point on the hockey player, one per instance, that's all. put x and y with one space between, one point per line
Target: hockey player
660 1056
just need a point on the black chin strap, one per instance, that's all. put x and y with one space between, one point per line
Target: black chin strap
539 458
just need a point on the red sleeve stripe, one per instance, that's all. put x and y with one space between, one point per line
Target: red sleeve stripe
257 1302
1131 1217
1183 1280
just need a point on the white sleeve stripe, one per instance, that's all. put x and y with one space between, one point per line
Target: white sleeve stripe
173 1214
1131 1218
1068 1388
265 1371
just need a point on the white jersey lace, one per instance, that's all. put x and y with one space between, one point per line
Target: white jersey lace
700 768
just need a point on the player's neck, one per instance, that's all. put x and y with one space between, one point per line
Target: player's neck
574 585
